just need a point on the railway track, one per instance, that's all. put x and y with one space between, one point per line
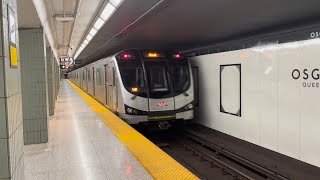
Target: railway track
207 160
215 162
241 166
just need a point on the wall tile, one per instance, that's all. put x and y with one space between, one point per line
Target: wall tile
4 159
2 83
11 149
14 112
3 119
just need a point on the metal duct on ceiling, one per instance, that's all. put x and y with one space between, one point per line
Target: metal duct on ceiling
46 23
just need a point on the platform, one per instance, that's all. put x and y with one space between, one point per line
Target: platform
87 141
80 146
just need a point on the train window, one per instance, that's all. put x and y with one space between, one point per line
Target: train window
89 79
133 80
180 78
158 79
98 76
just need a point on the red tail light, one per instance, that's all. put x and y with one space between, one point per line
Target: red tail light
126 56
177 56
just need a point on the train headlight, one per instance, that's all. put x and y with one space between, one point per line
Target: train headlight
132 111
129 110
188 107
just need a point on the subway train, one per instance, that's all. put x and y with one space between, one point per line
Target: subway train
141 87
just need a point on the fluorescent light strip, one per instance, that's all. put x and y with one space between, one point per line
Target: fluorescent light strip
115 2
89 37
99 23
106 13
104 16
93 32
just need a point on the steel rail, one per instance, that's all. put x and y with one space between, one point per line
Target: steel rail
235 157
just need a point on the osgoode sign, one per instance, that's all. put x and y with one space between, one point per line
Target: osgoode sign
307 75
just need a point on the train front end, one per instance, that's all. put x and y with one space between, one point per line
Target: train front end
156 87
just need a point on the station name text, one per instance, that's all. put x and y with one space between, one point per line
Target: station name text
315 34
307 75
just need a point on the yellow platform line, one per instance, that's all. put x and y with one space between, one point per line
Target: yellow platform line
159 164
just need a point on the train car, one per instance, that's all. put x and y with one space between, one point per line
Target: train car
141 86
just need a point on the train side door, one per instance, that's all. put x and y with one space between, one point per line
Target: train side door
82 80
93 82
114 87
109 81
106 84
112 90
87 80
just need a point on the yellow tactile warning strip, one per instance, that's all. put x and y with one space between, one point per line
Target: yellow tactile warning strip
159 164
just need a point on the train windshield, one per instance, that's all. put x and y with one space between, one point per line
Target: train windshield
133 80
157 75
180 78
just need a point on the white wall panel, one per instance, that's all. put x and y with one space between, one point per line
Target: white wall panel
268 99
288 100
252 101
277 111
309 106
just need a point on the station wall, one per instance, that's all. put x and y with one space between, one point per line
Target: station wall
280 97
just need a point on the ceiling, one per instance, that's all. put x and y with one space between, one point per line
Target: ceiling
68 20
185 24
27 14
164 24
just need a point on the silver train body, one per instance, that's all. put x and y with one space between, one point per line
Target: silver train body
140 86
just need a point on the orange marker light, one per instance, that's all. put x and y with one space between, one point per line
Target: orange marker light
134 89
153 55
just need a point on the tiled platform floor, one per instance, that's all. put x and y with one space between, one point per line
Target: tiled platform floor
80 146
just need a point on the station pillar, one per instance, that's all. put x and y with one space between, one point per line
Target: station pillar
50 79
34 85
11 122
